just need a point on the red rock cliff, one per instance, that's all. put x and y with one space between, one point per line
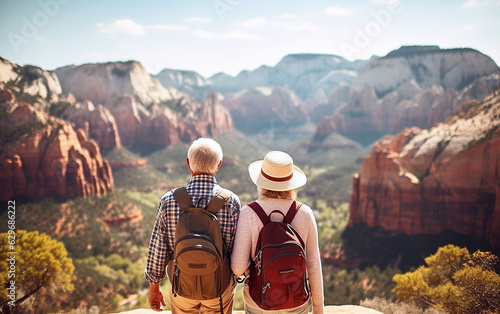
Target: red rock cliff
49 158
264 107
96 121
428 181
143 110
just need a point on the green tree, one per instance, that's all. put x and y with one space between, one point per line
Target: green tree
454 281
40 266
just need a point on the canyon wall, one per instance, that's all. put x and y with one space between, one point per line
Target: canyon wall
429 181
144 110
44 156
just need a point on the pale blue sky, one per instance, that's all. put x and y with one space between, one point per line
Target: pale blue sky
210 36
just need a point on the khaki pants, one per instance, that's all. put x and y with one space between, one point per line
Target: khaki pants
302 309
181 305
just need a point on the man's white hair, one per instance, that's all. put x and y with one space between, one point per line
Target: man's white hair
204 155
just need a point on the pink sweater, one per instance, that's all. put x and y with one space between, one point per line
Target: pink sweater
247 233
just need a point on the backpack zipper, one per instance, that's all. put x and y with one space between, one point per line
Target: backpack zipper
264 289
258 264
200 249
193 236
174 280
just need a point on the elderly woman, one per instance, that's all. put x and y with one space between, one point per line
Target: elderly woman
277 178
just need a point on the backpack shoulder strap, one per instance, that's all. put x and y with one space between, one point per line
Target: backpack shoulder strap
182 197
291 212
218 201
260 212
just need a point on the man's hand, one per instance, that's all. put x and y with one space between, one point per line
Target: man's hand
156 300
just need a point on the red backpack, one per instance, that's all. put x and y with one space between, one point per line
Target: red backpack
278 276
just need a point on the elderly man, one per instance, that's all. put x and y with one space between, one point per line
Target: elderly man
203 160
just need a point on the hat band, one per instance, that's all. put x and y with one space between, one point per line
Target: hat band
276 179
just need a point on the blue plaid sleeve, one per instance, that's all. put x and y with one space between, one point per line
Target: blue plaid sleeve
228 219
160 251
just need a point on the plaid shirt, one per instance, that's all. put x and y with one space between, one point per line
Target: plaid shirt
201 188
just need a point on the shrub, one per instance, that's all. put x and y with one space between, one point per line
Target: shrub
454 281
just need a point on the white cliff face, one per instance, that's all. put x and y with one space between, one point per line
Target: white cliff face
415 86
309 76
448 68
7 72
101 83
324 88
298 64
188 82
179 78
30 81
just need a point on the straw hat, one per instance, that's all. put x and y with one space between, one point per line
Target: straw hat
276 172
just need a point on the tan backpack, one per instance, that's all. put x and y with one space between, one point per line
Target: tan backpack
200 268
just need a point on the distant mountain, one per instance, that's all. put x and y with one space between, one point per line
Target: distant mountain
188 82
102 83
309 76
426 66
414 86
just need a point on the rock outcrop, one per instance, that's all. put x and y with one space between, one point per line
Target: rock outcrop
318 110
30 84
426 65
164 126
42 90
429 181
44 156
214 118
188 82
101 83
144 111
264 107
415 86
96 121
326 126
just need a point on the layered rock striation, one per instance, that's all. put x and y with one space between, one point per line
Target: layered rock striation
144 110
103 82
188 82
45 156
96 121
30 84
414 86
427 66
429 181
263 108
